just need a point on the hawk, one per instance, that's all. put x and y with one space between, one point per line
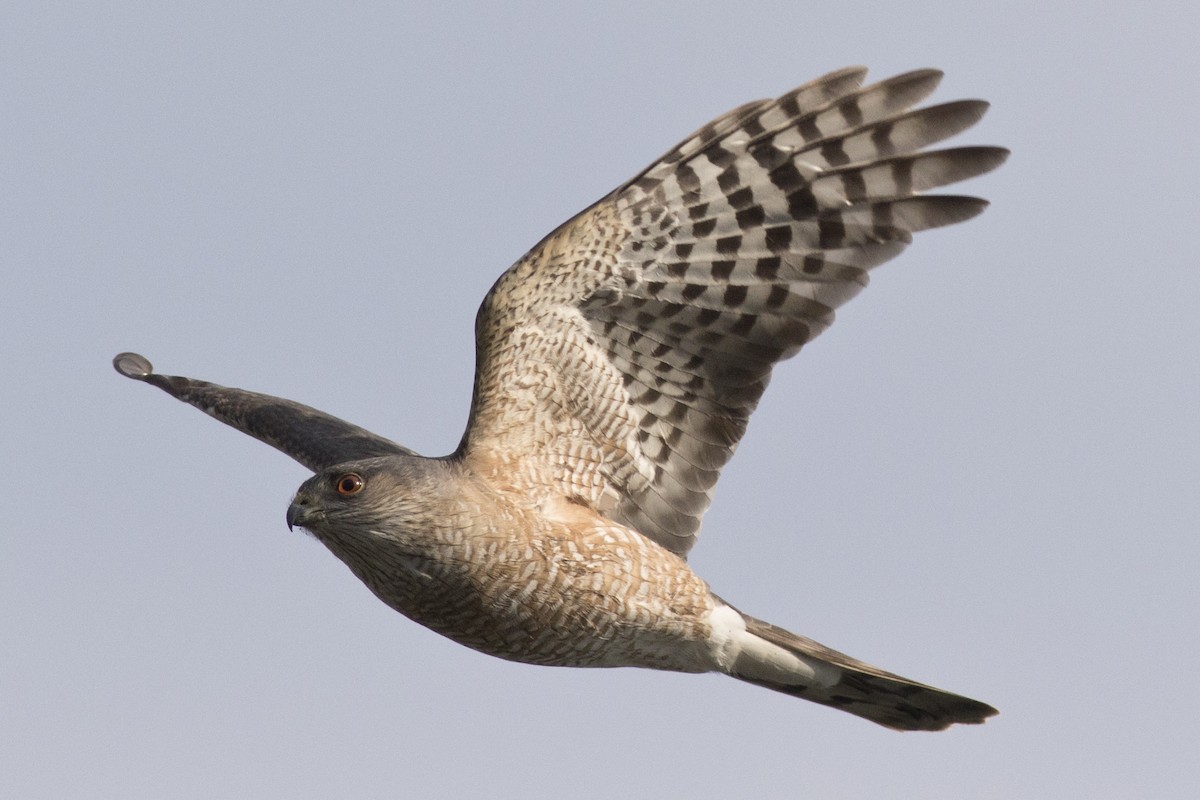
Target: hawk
618 362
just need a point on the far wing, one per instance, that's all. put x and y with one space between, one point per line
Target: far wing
314 438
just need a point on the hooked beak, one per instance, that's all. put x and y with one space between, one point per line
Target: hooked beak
298 512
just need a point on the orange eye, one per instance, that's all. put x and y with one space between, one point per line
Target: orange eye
350 484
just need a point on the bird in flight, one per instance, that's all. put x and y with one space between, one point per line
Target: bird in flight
617 364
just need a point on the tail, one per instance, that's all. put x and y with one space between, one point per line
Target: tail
778 659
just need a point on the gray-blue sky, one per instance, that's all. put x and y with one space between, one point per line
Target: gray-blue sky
984 476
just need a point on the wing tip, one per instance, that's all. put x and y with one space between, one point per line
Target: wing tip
932 76
989 156
133 365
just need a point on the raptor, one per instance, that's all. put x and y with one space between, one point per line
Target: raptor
618 363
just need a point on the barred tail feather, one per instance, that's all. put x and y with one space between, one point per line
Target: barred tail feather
834 679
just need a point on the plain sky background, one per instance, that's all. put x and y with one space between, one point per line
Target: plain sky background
985 476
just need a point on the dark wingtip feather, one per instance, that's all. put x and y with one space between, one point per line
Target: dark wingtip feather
133 365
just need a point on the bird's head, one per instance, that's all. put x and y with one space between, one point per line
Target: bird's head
357 495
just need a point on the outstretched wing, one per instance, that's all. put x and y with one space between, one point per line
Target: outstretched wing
314 438
619 360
